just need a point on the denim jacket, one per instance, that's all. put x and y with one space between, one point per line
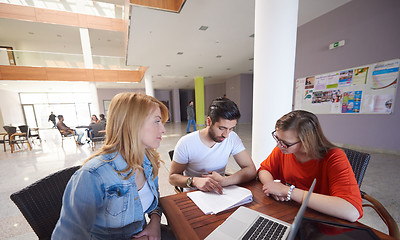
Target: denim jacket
99 204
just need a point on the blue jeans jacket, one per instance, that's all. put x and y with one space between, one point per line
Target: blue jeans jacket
99 204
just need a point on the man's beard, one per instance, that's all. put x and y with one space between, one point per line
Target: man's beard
214 136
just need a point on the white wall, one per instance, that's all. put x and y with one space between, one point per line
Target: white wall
109 93
11 108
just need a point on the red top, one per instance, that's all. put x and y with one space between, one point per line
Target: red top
333 172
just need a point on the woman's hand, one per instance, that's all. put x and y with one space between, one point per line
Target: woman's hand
152 230
276 190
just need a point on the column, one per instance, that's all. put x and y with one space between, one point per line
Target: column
95 108
176 107
86 49
148 83
274 60
199 101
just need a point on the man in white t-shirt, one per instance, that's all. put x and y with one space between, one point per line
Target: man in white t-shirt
200 157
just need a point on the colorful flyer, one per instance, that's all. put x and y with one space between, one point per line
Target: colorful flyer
351 102
309 82
360 76
385 75
345 78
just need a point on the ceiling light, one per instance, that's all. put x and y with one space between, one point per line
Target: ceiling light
203 28
108 40
250 70
252 35
228 69
168 65
186 75
123 82
58 35
31 33
180 53
218 56
200 67
159 75
251 59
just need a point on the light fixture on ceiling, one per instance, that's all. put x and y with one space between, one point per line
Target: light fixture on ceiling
179 53
59 35
168 65
200 67
159 75
228 69
218 56
186 75
108 40
252 35
251 59
250 70
31 33
203 28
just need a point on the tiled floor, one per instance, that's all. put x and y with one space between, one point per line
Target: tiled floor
24 167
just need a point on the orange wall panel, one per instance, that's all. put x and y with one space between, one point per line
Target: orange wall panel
66 74
57 17
22 73
17 12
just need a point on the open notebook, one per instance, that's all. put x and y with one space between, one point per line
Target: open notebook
246 223
213 203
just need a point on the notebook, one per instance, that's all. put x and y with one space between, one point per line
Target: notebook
213 203
244 220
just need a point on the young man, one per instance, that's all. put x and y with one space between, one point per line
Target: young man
61 126
190 117
200 157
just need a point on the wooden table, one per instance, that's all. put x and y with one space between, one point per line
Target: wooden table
189 222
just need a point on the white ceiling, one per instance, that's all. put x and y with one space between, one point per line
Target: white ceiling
155 39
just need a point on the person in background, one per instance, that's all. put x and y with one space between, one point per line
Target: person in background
302 154
52 118
108 197
190 117
200 158
103 119
61 126
94 120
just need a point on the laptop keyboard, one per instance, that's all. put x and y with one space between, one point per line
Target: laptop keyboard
265 229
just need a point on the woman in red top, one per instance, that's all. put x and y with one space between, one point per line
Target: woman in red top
302 154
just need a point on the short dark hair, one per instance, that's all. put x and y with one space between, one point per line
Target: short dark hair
191 101
59 117
101 115
223 108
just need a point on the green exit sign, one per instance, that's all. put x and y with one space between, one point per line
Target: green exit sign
336 44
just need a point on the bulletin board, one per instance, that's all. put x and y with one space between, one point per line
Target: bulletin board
368 89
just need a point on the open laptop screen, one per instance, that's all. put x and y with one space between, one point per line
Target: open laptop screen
311 229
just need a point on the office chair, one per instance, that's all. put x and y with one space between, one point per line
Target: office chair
359 162
41 202
27 130
95 135
66 134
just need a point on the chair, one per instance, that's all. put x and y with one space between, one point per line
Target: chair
95 135
4 140
359 162
67 134
176 188
41 202
27 130
14 137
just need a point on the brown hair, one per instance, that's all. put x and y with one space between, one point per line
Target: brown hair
126 116
309 131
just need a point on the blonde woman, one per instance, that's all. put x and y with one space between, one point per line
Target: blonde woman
302 154
109 196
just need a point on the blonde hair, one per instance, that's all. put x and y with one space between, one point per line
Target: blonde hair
307 126
127 114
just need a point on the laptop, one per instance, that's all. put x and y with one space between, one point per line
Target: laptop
246 223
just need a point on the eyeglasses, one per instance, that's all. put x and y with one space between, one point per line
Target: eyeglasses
283 144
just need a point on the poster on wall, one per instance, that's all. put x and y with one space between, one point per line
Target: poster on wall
369 89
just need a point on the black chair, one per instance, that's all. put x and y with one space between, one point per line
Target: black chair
27 130
176 188
41 202
14 137
359 162
95 135
67 134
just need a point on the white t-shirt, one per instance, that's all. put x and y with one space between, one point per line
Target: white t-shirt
201 159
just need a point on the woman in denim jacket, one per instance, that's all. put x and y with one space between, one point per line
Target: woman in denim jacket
108 197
